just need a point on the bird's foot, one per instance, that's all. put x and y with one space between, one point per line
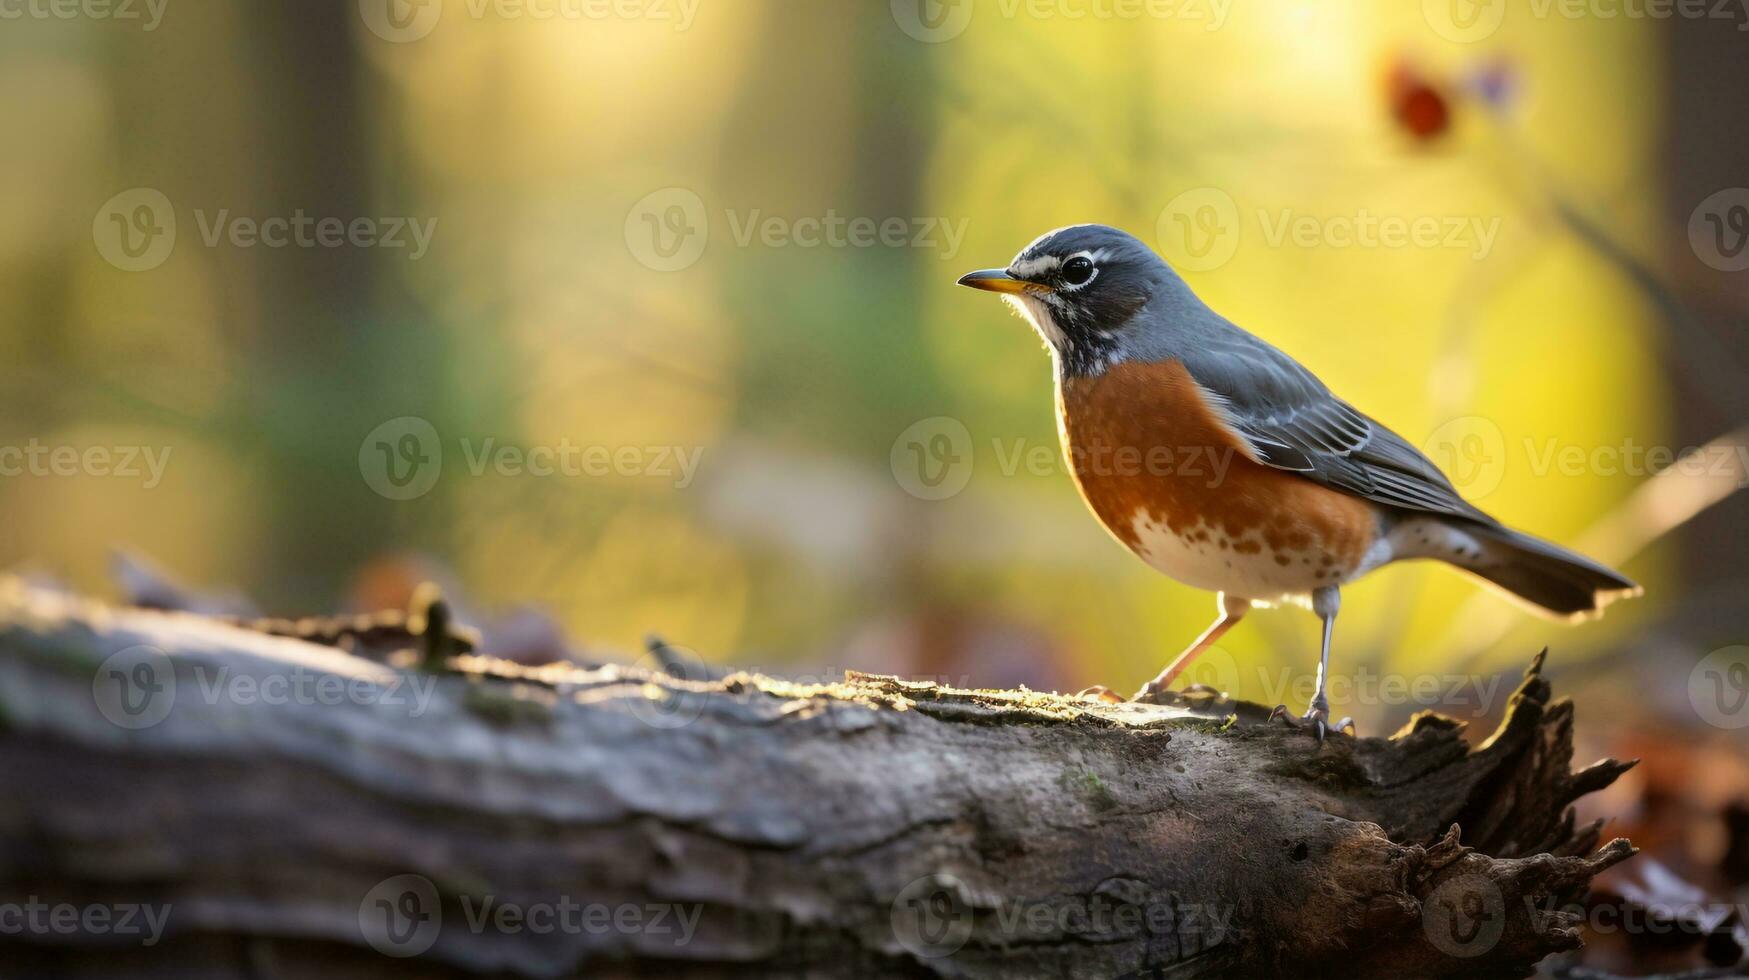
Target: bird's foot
1102 693
1319 715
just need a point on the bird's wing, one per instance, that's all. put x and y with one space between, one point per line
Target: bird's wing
1292 422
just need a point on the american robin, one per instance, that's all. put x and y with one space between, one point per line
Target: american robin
1224 463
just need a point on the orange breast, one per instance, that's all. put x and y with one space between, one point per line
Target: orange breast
1142 439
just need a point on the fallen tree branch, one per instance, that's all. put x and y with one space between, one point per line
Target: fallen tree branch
278 801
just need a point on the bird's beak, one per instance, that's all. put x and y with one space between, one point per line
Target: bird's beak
999 281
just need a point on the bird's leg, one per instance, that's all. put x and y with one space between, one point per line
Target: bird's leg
1232 610
1325 602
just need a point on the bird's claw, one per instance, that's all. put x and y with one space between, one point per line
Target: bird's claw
1319 716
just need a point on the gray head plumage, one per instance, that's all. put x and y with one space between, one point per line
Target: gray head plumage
1095 293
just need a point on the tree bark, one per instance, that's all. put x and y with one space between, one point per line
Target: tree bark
287 808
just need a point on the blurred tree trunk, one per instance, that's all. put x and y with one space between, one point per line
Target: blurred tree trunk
1707 152
260 111
863 96
319 347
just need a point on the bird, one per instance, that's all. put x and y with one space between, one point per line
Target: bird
1224 463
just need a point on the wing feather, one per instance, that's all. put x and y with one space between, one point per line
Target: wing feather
1293 422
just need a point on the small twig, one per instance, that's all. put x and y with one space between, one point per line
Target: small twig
679 662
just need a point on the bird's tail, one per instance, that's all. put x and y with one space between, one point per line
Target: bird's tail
1550 578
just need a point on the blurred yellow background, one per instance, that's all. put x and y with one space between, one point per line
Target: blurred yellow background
569 168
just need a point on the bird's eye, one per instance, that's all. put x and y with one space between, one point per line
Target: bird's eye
1078 271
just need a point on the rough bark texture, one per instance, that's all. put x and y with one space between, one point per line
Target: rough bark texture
868 828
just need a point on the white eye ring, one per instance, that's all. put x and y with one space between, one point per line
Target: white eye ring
1092 272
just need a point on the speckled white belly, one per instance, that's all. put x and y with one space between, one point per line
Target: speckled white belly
1245 566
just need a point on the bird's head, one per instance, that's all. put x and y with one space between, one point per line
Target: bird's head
1086 289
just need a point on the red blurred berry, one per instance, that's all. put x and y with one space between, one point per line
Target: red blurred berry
1417 104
